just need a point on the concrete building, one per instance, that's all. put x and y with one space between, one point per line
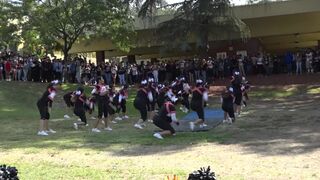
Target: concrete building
275 27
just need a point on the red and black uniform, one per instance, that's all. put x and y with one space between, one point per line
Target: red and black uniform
153 89
121 97
185 95
141 101
45 102
197 102
79 107
162 96
227 103
101 94
67 99
163 118
237 92
112 105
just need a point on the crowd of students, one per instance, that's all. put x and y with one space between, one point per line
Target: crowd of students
80 70
155 102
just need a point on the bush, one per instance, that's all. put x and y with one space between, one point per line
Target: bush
8 173
202 174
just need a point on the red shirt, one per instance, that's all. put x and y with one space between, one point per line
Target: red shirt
8 66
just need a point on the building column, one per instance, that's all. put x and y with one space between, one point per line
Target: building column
100 57
131 59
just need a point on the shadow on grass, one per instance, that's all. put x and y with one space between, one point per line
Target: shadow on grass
274 124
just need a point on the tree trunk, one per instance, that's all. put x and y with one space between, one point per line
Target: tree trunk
65 49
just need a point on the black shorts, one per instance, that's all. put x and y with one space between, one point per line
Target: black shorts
229 109
238 99
67 100
198 109
112 109
102 109
44 112
151 106
163 124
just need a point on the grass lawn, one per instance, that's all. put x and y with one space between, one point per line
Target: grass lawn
128 153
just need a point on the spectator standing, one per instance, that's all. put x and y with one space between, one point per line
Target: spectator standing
298 59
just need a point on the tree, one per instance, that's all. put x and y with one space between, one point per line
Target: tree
202 20
66 21
9 36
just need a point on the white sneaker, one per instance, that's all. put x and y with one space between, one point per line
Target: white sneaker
95 130
150 120
66 116
118 118
75 125
51 131
114 122
191 126
203 125
108 129
157 135
79 119
138 126
92 117
125 117
42 133
87 125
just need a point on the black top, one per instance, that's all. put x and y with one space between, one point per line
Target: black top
165 111
142 96
80 102
227 99
47 97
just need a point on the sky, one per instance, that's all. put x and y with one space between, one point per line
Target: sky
236 2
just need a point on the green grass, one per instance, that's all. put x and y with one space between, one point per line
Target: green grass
19 118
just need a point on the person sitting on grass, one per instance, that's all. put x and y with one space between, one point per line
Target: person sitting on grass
44 105
227 100
199 98
164 118
80 100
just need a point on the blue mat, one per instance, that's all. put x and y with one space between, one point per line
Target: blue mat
213 117
209 115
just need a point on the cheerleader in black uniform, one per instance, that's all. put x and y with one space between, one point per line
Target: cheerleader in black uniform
245 90
164 118
67 99
199 97
44 105
185 91
227 100
113 102
140 103
152 88
80 101
163 90
122 97
101 93
237 92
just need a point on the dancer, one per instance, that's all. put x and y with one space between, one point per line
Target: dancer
164 118
140 103
185 91
44 105
80 101
227 99
199 97
67 99
152 88
163 90
237 92
122 97
101 93
113 102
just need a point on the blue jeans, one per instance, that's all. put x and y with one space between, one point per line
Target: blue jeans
122 79
108 78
